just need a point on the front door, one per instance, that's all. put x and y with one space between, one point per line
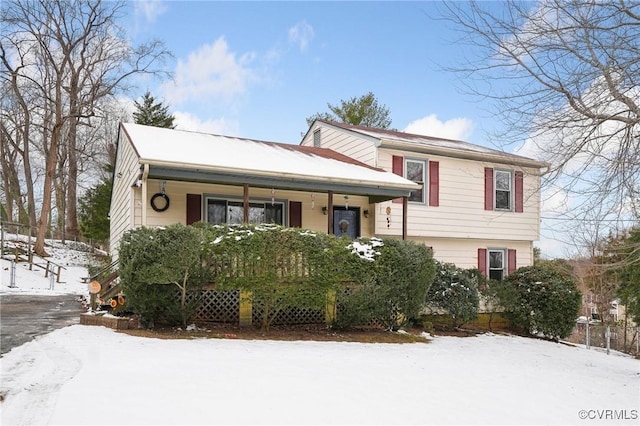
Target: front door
346 221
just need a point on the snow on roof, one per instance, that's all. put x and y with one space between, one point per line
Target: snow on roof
189 150
433 142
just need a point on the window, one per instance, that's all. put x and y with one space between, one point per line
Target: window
496 264
316 138
503 190
415 171
220 211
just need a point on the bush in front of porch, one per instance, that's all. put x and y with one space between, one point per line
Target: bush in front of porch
275 268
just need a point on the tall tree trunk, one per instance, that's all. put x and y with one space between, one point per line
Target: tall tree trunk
61 188
51 156
9 174
71 211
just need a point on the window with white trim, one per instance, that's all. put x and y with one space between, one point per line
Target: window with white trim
503 189
415 170
220 211
497 264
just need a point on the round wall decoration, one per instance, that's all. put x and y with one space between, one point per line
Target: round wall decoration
162 207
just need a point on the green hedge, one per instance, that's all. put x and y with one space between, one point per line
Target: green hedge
281 267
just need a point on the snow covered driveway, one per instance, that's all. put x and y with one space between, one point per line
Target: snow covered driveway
83 375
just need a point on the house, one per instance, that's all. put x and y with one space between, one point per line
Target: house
477 207
164 176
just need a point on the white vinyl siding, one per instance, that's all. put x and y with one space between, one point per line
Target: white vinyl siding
121 213
464 252
357 148
461 211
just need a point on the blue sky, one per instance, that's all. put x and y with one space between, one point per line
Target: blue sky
259 69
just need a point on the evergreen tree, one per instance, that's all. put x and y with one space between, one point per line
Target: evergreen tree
152 113
94 210
628 256
362 111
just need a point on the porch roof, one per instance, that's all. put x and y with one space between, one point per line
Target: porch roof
200 157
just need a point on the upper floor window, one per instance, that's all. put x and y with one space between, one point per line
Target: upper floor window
503 190
221 211
316 138
415 170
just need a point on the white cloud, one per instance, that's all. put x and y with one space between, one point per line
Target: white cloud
149 10
219 126
555 201
456 128
212 72
301 35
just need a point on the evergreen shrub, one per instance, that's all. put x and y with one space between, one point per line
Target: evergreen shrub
158 263
542 300
455 292
391 279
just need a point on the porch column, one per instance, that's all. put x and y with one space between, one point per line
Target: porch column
330 213
405 204
245 204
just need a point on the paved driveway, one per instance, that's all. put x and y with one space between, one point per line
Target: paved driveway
23 317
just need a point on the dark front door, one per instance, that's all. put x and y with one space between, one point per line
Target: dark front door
346 221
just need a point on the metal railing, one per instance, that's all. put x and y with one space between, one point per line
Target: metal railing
608 337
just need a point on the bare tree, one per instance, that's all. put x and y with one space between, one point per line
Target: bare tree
564 77
16 130
73 54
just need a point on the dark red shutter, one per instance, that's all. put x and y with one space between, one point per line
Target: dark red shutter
397 167
482 261
488 188
194 208
512 263
519 189
295 214
434 183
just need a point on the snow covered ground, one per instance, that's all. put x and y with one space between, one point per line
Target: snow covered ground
35 282
83 375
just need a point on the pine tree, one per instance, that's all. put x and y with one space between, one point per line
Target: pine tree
94 210
362 111
152 113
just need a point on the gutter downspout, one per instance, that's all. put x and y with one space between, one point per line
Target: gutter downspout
145 174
